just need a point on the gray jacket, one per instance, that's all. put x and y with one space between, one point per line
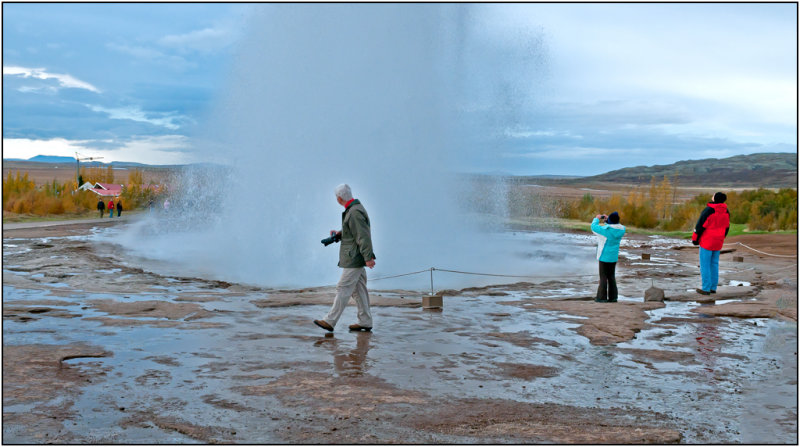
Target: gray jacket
356 247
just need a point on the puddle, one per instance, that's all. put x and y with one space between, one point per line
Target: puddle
739 283
417 349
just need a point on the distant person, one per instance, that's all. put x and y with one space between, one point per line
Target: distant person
355 252
709 234
111 208
166 204
150 205
119 208
101 206
609 233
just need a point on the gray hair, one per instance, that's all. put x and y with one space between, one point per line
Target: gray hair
343 192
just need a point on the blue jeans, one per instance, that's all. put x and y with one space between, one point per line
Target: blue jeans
709 268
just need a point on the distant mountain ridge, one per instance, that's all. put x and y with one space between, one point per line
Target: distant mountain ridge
56 159
767 170
52 159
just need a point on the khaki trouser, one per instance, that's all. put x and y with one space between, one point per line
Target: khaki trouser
352 283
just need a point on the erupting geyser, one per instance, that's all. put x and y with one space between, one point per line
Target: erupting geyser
373 95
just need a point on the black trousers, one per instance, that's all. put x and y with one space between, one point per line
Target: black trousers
608 283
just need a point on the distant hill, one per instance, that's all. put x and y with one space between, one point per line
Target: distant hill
767 170
52 159
55 159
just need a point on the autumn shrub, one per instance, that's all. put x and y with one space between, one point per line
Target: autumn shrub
22 196
760 209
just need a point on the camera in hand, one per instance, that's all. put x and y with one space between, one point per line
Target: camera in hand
603 217
334 237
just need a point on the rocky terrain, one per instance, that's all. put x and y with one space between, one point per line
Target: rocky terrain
98 350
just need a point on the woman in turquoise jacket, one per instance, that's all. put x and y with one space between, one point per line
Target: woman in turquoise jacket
609 233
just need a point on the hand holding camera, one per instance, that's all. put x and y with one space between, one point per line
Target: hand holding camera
335 236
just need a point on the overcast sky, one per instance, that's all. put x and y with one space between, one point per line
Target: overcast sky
618 84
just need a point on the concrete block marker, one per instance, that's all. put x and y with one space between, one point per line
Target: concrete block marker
432 302
654 294
738 259
646 256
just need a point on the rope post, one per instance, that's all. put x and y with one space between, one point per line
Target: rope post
432 302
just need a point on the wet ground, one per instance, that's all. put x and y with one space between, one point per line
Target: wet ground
97 350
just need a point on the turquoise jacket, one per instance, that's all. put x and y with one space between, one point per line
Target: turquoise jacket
608 237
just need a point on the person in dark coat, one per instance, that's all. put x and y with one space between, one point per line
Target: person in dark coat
101 207
709 234
355 253
119 208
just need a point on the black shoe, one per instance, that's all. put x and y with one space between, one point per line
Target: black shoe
702 292
324 325
598 300
358 327
612 301
713 291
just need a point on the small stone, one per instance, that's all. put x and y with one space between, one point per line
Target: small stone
654 294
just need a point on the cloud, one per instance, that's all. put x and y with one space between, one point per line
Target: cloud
47 89
164 149
204 40
64 80
26 148
153 55
168 120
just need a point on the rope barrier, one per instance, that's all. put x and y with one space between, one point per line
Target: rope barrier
759 251
433 269
397 276
511 276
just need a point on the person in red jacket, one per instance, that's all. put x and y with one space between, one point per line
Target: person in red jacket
709 234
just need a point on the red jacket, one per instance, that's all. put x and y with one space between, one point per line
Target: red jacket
712 227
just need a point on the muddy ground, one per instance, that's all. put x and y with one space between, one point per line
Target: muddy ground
99 351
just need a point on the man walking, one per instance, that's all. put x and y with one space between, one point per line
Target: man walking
709 234
355 252
101 206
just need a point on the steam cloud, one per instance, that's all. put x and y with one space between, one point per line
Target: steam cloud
387 98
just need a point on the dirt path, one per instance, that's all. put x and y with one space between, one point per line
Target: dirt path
99 351
60 228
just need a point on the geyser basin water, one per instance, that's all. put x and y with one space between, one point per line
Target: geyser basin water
374 95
